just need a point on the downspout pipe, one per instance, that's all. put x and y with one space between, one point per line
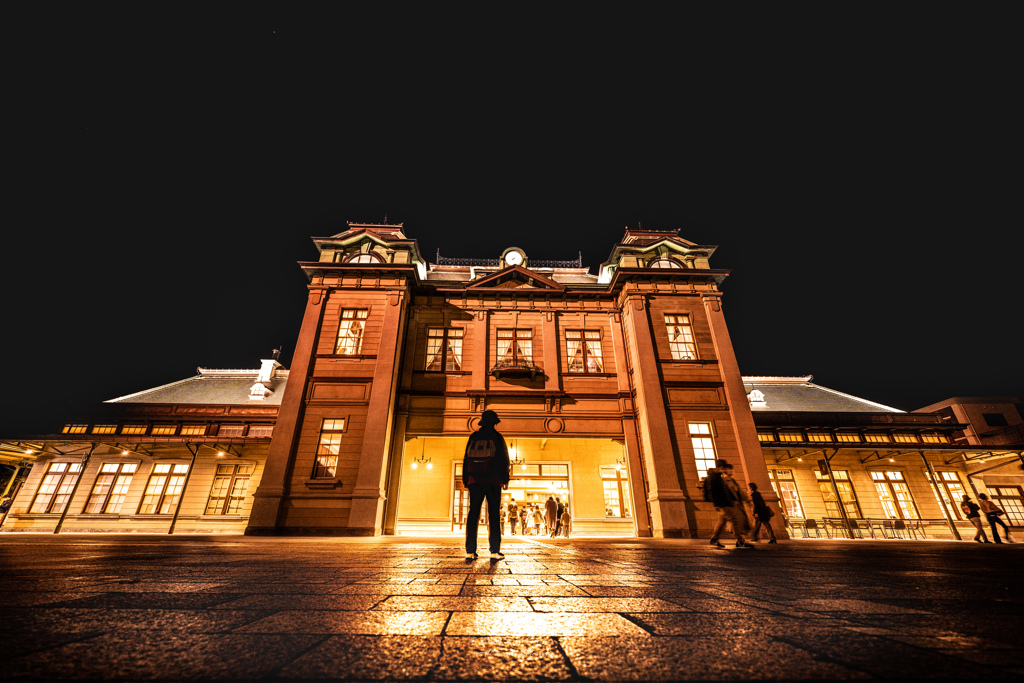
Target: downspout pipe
74 489
936 484
184 486
839 495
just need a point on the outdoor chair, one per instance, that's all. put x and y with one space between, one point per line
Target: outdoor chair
811 525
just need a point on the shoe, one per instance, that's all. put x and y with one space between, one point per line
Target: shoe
498 556
716 544
741 544
979 540
472 556
773 541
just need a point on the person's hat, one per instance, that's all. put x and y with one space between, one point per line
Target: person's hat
722 463
489 418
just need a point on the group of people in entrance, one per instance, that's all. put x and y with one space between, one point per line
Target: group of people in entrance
554 521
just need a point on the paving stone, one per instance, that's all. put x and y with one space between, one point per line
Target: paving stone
411 589
534 624
605 605
523 591
508 658
364 623
454 604
291 602
366 658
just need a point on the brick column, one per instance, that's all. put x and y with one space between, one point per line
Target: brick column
270 495
637 489
368 495
751 457
667 499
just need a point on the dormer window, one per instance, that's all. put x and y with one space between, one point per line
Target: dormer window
664 263
364 258
756 397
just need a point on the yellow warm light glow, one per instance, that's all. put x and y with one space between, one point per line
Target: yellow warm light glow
415 464
430 466
124 452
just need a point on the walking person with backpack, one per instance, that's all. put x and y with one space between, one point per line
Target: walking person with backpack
727 496
971 509
993 512
485 472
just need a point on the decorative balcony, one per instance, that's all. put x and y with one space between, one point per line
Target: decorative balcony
515 369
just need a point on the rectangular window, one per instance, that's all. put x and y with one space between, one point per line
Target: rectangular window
55 491
785 489
848 437
616 491
680 337
583 351
1011 500
326 465
935 438
193 430
110 489
444 349
74 429
515 345
906 438
230 486
231 430
104 429
846 491
703 447
791 436
995 419
875 437
765 435
163 430
949 492
819 437
133 429
263 431
350 331
894 494
163 489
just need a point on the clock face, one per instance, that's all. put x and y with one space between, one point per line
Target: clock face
513 258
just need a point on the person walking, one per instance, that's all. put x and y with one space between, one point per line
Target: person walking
536 521
993 512
970 509
485 472
565 522
550 512
727 497
513 516
524 515
762 515
558 516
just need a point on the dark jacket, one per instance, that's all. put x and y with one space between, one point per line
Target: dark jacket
971 509
721 496
499 471
761 509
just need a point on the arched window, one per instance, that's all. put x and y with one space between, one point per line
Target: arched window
363 258
664 263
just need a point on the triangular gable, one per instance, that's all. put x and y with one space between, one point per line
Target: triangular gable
516 277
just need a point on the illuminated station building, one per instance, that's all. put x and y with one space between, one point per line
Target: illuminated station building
617 391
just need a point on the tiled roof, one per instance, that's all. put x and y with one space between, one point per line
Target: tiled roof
798 394
210 387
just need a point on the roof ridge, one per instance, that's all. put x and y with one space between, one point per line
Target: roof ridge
150 390
857 398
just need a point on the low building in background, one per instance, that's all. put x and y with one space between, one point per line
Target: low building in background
617 392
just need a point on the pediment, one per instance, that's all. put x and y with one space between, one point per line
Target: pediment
516 277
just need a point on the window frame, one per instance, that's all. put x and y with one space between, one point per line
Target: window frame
951 502
620 476
710 437
691 344
585 350
1014 513
68 468
895 502
162 497
322 457
843 482
117 474
514 346
229 490
778 481
446 339
346 341
355 258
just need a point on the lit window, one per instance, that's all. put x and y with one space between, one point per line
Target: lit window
110 489
163 489
906 438
515 345
616 492
819 437
1011 500
875 437
55 491
133 429
163 430
328 450
828 493
583 350
703 447
664 263
680 337
193 430
74 429
444 349
848 437
949 492
229 490
350 331
765 435
785 488
104 429
791 436
935 438
894 494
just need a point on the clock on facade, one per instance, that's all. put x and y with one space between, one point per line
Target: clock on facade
513 256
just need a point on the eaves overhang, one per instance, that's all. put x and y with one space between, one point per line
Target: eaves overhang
312 268
667 274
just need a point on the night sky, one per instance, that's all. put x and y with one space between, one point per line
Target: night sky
863 183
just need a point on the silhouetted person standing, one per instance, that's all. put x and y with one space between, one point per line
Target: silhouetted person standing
485 472
550 514
762 514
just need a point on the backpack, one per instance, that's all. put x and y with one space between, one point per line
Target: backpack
706 488
479 456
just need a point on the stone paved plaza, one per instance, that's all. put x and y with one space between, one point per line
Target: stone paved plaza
90 607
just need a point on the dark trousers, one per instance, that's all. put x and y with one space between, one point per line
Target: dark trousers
993 520
477 494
